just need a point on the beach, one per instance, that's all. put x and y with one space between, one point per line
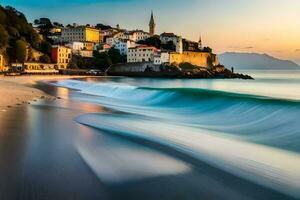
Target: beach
18 90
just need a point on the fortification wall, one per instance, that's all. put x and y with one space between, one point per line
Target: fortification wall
201 59
133 67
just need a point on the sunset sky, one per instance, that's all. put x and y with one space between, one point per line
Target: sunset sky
263 26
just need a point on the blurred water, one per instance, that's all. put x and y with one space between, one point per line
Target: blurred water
249 128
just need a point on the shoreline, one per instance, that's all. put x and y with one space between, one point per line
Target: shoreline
19 90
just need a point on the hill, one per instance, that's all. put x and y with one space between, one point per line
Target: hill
256 61
17 37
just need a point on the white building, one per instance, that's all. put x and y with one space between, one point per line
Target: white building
75 46
135 36
138 35
116 37
85 53
107 33
179 45
123 45
161 58
141 53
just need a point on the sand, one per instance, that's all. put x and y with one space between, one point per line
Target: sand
15 91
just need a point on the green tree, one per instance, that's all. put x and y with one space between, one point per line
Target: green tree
103 27
169 46
20 51
3 38
13 32
152 41
207 49
115 56
45 59
2 16
44 24
46 48
58 24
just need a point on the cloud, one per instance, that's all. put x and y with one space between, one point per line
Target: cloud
240 47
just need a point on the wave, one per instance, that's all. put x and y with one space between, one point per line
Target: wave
263 120
165 96
262 165
253 137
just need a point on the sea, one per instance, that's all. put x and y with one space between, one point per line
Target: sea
149 138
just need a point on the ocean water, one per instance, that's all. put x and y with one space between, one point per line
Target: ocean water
249 129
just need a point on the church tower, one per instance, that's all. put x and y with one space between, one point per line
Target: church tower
200 43
152 25
179 45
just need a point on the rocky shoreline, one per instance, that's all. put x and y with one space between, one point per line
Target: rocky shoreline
132 70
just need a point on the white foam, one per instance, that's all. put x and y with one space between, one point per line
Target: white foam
274 168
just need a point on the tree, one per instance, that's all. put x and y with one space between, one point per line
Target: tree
169 46
207 49
46 48
103 27
2 16
45 59
44 24
20 51
151 41
13 32
115 56
3 38
58 24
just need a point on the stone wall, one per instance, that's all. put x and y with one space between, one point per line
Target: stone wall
133 67
201 59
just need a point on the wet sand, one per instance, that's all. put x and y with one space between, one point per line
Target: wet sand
45 154
18 90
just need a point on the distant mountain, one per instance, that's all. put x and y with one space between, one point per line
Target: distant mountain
255 61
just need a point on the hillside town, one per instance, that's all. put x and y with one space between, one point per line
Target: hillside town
76 49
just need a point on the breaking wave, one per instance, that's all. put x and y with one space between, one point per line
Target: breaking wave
253 137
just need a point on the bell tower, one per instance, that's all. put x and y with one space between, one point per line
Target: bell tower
152 25
200 43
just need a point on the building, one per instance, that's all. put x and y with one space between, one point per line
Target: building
116 37
104 34
138 35
179 45
75 46
167 37
152 25
161 58
62 56
141 53
55 29
190 45
85 53
40 68
102 48
200 43
201 59
123 45
2 63
80 34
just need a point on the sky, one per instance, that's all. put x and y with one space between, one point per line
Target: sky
260 26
